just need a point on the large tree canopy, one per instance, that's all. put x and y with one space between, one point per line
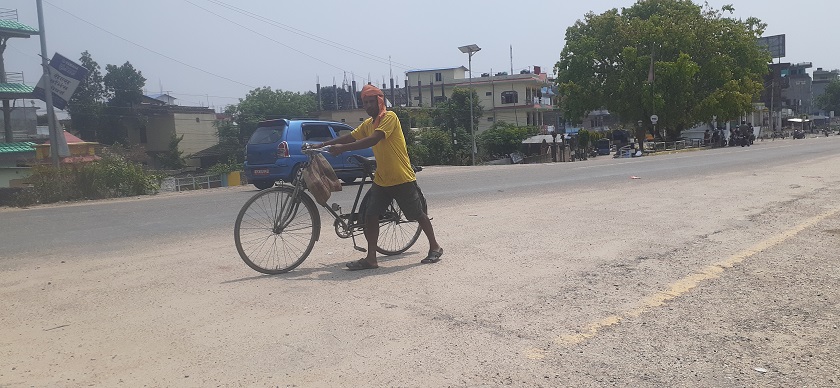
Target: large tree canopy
88 101
264 103
124 84
683 62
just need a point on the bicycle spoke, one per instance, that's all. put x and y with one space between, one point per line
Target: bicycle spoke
275 233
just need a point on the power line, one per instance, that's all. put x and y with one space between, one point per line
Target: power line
311 36
265 36
148 49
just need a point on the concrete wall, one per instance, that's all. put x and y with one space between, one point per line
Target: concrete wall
198 131
14 176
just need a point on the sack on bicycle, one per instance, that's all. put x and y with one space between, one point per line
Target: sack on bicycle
320 179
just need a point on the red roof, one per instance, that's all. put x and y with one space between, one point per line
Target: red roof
70 138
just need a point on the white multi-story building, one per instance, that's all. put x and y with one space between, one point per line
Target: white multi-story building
521 99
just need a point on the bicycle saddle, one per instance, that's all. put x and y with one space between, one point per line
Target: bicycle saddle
367 164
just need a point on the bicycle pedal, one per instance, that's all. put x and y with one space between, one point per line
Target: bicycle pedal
360 249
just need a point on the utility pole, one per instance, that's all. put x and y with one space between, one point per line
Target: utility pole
54 135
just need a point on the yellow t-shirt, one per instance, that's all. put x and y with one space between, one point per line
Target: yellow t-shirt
392 164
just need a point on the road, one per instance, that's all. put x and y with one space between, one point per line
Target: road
713 268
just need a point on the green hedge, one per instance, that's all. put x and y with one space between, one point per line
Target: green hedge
112 176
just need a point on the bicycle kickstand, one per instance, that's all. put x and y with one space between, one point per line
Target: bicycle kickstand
356 246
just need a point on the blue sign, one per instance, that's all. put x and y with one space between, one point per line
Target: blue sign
66 77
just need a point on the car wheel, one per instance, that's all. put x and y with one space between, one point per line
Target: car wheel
262 185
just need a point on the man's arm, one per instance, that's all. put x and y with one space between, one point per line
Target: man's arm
344 139
369 141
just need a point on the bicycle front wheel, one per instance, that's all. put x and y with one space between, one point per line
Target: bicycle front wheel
396 233
275 232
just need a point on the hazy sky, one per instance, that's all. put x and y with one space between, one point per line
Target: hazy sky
214 51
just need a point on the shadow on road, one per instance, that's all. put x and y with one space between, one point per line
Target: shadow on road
338 271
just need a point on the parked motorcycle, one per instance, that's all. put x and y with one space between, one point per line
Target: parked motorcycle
798 134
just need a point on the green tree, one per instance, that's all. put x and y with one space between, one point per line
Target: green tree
455 111
681 61
124 84
173 158
453 117
264 103
504 138
124 88
437 145
87 104
830 99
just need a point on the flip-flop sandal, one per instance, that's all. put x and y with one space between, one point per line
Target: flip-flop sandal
433 257
360 265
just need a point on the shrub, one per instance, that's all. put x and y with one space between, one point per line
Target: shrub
503 139
112 176
223 168
438 147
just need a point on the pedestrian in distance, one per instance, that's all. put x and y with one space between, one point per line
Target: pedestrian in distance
394 178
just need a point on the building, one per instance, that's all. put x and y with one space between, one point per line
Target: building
520 99
11 88
162 123
821 80
797 96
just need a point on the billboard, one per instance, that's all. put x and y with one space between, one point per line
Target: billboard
775 44
66 77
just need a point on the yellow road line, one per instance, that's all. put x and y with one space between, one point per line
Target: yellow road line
681 286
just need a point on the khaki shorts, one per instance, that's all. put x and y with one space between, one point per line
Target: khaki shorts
408 197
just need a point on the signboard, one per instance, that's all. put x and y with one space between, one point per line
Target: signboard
66 77
654 119
775 44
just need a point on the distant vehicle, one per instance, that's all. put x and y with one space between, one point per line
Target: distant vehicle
798 134
603 146
274 151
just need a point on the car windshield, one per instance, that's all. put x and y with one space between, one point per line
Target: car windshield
267 135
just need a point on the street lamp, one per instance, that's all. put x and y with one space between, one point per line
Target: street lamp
470 50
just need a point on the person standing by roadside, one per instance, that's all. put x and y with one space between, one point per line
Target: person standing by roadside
394 178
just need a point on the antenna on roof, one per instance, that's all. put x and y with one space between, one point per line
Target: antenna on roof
511 59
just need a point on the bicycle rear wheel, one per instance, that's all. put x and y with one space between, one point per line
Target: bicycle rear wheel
396 233
274 232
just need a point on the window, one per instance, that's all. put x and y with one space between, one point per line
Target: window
143 138
438 77
488 94
439 99
490 118
510 97
267 135
316 132
341 130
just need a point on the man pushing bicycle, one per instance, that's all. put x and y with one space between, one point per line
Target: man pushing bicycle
394 178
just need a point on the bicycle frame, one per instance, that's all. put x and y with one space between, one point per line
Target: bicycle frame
346 225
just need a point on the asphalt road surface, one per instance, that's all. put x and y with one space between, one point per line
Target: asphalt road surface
714 268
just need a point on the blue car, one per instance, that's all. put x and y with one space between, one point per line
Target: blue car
273 152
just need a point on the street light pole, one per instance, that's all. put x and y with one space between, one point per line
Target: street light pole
470 50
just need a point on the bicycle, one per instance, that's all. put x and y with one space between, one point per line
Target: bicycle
277 228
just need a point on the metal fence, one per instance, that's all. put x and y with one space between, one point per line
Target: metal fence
658 146
191 183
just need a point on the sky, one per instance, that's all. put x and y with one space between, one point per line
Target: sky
212 52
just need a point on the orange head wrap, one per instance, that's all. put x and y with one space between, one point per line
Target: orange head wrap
370 90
